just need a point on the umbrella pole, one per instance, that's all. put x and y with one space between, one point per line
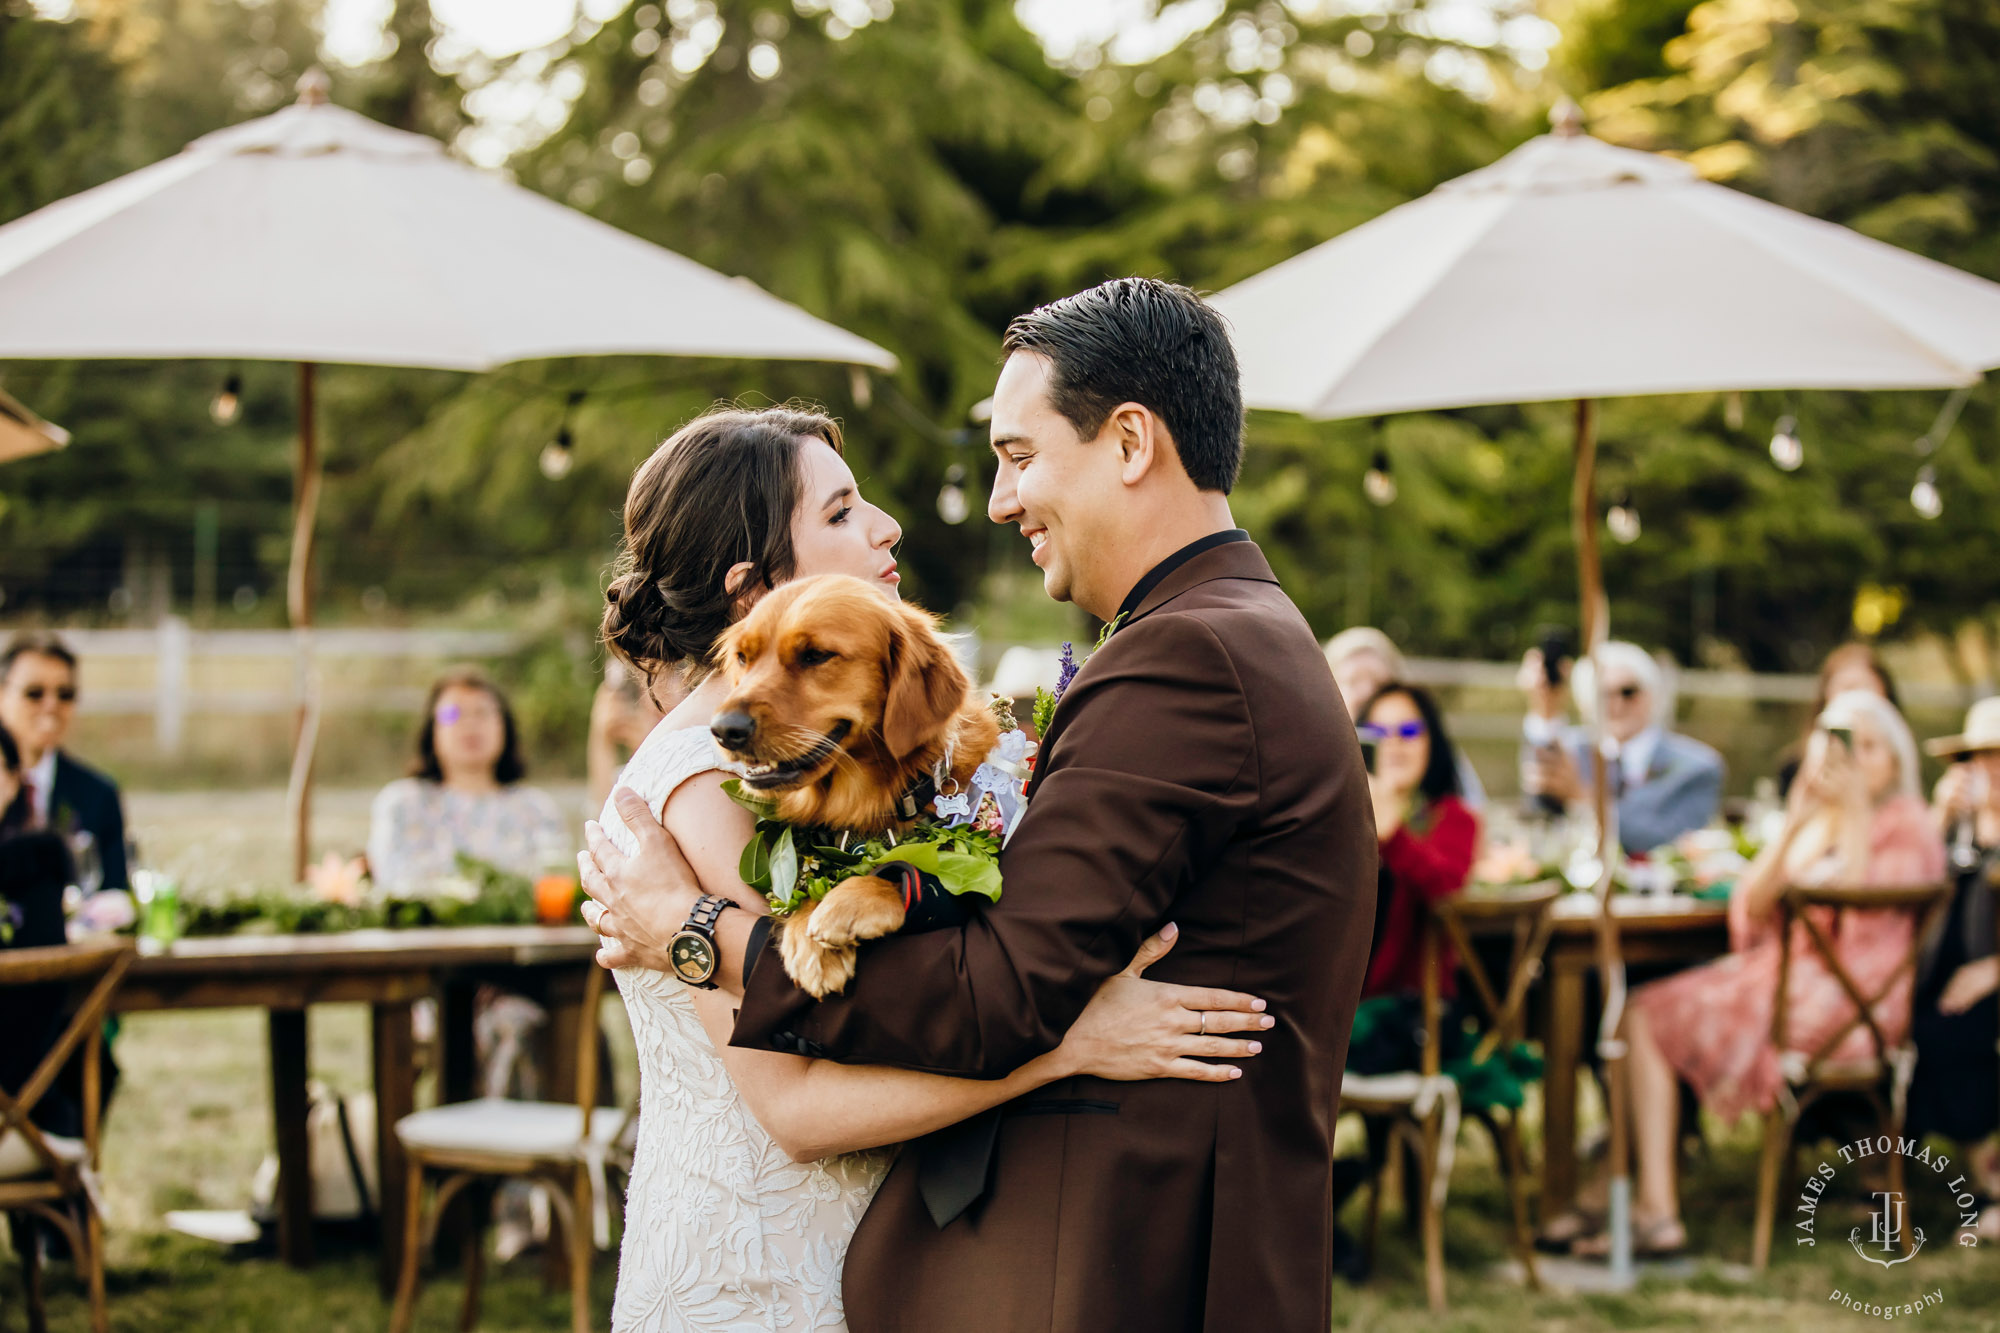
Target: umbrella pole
1595 630
299 608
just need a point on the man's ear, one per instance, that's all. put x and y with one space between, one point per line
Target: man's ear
926 683
1137 433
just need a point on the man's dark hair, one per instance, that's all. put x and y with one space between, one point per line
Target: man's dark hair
1157 344
35 643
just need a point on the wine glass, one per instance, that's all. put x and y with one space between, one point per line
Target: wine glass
1964 840
87 861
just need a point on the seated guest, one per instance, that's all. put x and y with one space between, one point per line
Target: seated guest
464 794
38 686
1364 659
34 867
1664 784
1852 666
1965 804
1428 840
1854 818
1956 1022
1428 836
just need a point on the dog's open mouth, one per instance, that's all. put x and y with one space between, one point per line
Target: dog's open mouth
788 772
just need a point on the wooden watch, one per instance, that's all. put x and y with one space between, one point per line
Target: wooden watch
692 950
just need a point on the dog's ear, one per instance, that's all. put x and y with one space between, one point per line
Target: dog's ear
926 683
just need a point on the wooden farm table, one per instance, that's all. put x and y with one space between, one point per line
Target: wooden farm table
387 970
1650 930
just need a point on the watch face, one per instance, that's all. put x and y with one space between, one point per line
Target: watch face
693 958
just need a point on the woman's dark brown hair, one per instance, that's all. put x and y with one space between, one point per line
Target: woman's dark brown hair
1440 777
508 769
721 491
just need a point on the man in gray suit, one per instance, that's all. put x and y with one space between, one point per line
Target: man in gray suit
1665 784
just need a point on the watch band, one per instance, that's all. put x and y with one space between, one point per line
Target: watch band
707 910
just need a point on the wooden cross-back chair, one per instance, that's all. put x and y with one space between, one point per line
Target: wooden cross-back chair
1881 1078
1421 1106
563 1144
1526 916
45 1177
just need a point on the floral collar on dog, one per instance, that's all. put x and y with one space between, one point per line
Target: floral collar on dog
957 837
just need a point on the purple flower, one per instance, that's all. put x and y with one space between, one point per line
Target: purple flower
1066 670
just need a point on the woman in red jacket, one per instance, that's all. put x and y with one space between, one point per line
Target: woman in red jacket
1429 839
1429 836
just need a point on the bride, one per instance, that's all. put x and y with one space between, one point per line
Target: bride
752 1167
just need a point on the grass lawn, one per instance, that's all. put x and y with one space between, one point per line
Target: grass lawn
192 1121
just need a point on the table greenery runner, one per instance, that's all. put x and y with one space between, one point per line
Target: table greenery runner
338 897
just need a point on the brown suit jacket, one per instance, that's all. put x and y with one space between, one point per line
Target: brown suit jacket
1199 770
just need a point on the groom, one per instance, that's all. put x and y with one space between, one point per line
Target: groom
1199 770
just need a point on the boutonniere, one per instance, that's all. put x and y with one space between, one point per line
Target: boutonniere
1067 667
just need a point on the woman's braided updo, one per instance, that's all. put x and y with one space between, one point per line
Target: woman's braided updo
721 491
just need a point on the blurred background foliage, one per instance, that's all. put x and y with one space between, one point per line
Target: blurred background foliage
920 171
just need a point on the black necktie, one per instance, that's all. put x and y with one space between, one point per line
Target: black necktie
954 1165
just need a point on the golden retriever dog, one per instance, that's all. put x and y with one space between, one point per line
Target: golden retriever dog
841 701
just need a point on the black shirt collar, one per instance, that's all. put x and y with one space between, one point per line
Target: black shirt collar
1172 563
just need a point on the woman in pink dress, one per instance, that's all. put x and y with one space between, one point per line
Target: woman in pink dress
1854 817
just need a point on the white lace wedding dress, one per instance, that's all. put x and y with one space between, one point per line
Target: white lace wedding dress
722 1229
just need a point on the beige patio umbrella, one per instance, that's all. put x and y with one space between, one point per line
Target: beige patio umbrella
1574 270
316 235
23 434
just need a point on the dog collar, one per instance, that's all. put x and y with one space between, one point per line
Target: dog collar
916 796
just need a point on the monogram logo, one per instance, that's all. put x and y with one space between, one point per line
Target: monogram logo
1891 1237
1885 1232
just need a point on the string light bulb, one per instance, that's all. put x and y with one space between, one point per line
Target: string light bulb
1379 485
227 404
1786 450
559 454
952 505
1622 520
1924 496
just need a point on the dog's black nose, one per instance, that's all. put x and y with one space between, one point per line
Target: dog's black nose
732 729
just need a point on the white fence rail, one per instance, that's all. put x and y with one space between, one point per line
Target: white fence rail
158 672
173 672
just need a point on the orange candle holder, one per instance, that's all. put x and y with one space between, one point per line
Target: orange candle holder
555 899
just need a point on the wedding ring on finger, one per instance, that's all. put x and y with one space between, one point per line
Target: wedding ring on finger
1204 1022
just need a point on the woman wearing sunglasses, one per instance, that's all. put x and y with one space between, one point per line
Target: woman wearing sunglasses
464 795
1428 837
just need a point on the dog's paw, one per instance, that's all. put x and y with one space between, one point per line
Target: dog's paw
819 970
864 908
